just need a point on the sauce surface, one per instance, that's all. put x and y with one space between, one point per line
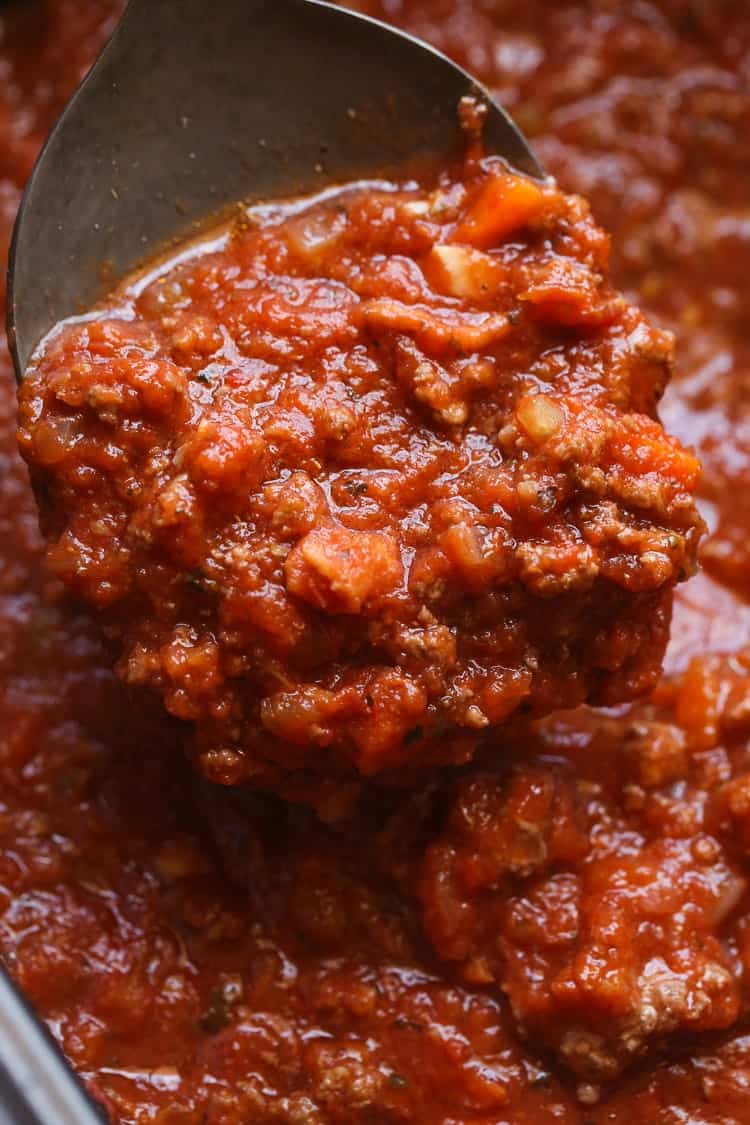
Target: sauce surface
561 939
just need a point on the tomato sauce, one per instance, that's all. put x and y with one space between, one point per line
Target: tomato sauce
362 478
555 934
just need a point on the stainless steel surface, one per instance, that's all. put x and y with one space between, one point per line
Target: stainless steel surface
195 105
37 1087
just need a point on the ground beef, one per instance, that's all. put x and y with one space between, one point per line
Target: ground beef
598 901
181 995
367 476
597 881
602 948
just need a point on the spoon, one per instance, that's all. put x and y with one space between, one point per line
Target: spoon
194 106
37 1087
191 107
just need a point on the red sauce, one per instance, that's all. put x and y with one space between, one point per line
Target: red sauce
366 476
560 938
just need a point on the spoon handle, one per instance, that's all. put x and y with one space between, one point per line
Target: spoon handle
37 1087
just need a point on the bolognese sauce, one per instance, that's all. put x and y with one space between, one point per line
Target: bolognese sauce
367 474
556 932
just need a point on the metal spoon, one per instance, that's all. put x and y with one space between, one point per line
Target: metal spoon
195 105
37 1087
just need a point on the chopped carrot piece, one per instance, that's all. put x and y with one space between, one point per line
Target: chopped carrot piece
505 204
650 450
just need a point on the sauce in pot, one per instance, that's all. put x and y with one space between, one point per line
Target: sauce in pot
561 938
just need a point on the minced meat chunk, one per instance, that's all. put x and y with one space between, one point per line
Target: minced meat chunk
600 955
599 879
594 885
366 475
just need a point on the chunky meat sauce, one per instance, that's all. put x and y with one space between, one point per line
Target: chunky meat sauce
364 479
558 932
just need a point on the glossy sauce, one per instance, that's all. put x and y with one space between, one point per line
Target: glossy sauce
207 962
357 482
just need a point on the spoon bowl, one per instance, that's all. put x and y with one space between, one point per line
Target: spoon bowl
193 107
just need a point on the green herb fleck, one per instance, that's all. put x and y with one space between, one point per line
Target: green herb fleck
397 1081
195 579
209 373
216 1016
